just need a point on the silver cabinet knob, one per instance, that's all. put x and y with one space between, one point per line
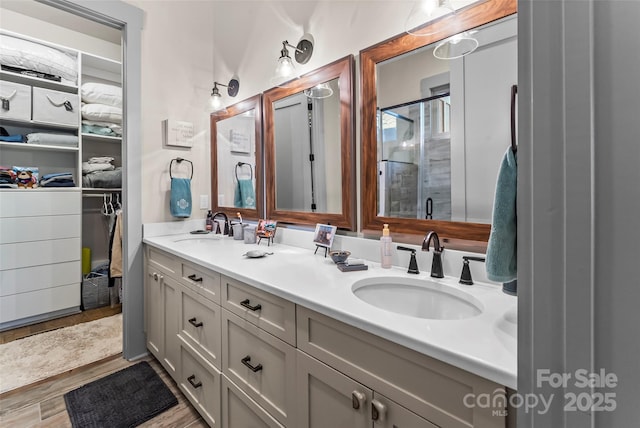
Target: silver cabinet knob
357 399
378 410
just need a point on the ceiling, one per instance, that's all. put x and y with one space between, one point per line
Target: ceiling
63 19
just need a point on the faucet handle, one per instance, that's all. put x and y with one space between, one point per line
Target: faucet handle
465 277
413 263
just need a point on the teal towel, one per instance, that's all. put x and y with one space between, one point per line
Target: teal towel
180 202
501 260
244 196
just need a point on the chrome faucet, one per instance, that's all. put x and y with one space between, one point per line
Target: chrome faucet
226 223
436 264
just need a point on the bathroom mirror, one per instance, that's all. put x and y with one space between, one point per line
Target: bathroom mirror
430 153
236 150
309 162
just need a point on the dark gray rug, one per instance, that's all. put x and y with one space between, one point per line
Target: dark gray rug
126 398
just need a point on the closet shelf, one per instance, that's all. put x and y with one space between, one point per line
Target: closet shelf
39 124
100 138
88 190
25 146
37 81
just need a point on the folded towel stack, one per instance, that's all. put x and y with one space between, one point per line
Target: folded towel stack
60 179
7 178
102 109
99 172
53 139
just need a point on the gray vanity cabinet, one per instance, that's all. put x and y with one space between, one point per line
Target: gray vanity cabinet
327 398
161 315
247 358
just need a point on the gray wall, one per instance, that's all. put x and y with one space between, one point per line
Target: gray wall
579 199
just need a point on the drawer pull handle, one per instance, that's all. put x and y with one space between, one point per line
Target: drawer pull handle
155 276
246 304
193 383
254 369
378 410
194 323
357 399
194 278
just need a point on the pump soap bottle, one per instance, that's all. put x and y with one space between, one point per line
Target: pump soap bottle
386 248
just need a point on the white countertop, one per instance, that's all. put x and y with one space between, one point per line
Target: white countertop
485 345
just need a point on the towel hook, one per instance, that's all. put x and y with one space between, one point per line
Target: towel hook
180 160
241 164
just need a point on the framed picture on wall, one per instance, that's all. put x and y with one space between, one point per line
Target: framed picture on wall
324 234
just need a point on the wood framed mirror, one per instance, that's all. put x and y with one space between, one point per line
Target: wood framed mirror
393 118
236 154
309 148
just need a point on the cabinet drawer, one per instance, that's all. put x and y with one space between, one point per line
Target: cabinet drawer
261 365
202 281
55 107
431 388
271 313
200 325
200 383
24 229
16 101
240 411
26 254
33 303
166 262
29 203
15 281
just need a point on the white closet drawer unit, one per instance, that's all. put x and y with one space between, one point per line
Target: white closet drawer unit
14 281
202 281
166 262
271 313
24 305
25 254
16 101
37 203
55 107
240 411
200 325
25 229
200 383
262 365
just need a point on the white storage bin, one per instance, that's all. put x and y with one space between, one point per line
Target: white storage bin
16 101
55 107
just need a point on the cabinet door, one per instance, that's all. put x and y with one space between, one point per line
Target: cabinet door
171 298
240 411
154 311
389 414
327 398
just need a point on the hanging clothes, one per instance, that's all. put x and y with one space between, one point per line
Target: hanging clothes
115 250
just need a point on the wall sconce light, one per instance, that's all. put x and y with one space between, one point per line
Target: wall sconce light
318 92
285 69
215 104
424 11
456 46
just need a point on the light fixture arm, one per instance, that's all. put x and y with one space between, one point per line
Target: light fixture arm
232 87
303 50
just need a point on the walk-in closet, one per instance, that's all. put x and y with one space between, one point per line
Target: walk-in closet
61 178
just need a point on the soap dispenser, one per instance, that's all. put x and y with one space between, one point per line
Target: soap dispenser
209 222
386 254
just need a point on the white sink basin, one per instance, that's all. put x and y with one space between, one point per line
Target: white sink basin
199 239
419 298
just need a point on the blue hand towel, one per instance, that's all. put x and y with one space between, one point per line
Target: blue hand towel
244 196
180 203
501 251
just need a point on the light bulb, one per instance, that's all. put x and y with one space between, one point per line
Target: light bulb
285 67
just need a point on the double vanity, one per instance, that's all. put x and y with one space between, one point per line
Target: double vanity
288 340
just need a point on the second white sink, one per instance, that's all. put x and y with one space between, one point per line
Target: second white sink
418 298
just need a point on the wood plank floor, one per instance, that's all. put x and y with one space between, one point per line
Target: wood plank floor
42 404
